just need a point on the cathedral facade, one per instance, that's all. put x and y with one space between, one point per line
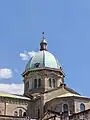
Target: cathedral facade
44 90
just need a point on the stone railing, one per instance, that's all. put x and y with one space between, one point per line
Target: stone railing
85 115
4 117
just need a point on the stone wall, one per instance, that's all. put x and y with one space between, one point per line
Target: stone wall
77 103
57 105
8 106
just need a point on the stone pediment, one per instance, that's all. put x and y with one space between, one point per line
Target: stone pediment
52 74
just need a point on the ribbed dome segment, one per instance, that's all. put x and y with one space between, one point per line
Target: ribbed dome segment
43 59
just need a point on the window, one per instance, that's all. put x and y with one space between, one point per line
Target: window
39 82
38 113
24 114
15 113
35 83
54 84
50 85
44 109
20 112
36 65
0 112
27 85
82 107
65 108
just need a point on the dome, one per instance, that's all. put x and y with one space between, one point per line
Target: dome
43 59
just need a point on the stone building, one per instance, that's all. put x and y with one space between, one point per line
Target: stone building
13 105
44 89
52 115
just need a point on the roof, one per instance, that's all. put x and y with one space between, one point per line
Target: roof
43 59
71 95
68 95
2 94
70 90
43 41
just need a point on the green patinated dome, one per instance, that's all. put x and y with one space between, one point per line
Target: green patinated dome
43 59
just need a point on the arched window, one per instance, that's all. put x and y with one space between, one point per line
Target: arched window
82 107
54 83
39 82
20 112
0 112
15 113
38 113
35 83
50 83
24 114
44 109
27 85
65 108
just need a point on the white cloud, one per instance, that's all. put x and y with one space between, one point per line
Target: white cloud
12 88
27 55
5 73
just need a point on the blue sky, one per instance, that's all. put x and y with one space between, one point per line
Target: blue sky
66 24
